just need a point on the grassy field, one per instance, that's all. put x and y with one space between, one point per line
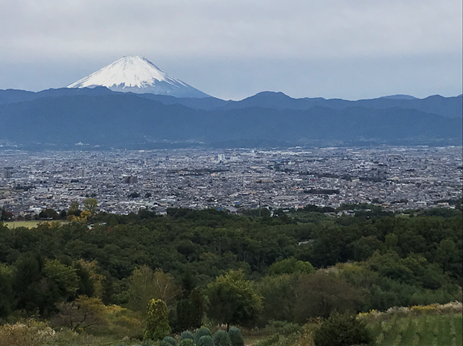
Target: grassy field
429 325
426 330
27 224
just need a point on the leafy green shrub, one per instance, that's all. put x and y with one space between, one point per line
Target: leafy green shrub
157 320
335 293
186 335
165 343
291 266
187 342
283 327
271 340
281 340
205 341
232 299
170 340
190 311
200 333
235 337
342 329
221 338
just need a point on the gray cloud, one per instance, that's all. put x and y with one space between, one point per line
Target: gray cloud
231 49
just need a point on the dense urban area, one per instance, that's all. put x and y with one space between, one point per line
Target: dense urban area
123 181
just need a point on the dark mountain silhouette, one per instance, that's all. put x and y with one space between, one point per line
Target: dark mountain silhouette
63 117
446 106
451 107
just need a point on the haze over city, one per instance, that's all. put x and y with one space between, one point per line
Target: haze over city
231 50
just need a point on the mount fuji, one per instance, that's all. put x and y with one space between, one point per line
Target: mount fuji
138 75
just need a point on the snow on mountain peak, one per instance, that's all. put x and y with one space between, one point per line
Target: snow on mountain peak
129 71
139 75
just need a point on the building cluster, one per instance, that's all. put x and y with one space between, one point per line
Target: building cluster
124 181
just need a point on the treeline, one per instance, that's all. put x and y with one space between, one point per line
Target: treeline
295 265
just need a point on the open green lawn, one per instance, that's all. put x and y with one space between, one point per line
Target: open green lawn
440 330
27 224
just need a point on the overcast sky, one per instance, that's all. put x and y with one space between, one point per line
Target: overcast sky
233 49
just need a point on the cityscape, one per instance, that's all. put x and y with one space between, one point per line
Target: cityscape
124 181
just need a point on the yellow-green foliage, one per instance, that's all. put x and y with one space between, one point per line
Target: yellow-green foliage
123 322
157 320
64 277
418 326
28 333
232 299
432 324
84 215
144 284
423 330
423 309
417 310
92 268
187 342
308 330
26 224
90 316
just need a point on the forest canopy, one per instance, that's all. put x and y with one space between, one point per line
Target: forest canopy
294 266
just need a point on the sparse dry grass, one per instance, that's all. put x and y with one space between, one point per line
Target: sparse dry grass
27 224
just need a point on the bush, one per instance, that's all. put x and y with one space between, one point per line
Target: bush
283 327
205 341
335 293
157 321
187 335
170 340
280 340
200 333
187 342
290 266
221 338
30 333
235 337
165 343
342 329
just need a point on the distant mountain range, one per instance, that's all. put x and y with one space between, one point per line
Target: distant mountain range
60 118
450 107
131 103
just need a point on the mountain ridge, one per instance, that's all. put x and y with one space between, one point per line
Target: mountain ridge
436 104
104 118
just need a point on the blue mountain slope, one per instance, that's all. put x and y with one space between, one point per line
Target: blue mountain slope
115 119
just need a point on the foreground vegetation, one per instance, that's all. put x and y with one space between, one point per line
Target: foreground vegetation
90 280
419 325
422 331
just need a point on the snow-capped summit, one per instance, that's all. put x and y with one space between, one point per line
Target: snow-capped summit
138 75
